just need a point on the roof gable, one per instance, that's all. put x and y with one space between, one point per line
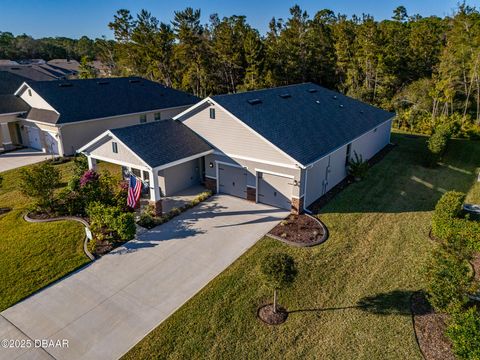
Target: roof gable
306 121
156 143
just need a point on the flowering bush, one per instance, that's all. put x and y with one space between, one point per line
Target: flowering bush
88 177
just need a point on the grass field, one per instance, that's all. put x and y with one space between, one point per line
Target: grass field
34 255
351 297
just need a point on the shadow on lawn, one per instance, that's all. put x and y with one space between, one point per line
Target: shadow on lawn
396 302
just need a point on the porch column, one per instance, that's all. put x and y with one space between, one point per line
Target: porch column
155 199
92 163
7 139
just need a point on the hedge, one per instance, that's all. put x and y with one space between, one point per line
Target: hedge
448 223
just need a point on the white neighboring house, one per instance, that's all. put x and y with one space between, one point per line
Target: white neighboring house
285 147
63 115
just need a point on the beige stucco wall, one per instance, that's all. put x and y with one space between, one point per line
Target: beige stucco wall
231 137
76 135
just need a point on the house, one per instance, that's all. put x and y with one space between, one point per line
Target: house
285 147
63 115
11 106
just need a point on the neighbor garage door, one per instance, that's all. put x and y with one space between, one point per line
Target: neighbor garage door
275 190
34 138
232 180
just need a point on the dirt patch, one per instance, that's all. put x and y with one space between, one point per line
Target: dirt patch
266 314
430 329
301 230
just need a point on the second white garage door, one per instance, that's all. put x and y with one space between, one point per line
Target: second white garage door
52 143
275 190
34 138
232 180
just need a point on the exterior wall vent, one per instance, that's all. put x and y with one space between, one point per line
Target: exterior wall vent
254 101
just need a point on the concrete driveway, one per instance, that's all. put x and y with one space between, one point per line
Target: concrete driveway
19 158
106 308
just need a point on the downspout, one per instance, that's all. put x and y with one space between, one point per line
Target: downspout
305 193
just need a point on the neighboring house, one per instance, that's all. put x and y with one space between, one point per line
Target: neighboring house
69 65
285 147
64 115
11 106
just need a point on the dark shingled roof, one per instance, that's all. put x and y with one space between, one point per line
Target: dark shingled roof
12 104
161 142
306 121
78 100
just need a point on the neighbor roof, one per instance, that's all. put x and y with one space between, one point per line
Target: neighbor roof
161 142
12 104
306 121
78 100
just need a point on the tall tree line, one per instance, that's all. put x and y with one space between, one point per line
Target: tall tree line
425 68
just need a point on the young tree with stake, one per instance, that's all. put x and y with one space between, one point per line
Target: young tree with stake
279 271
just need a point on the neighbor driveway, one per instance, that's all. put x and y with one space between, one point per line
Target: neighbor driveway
106 308
19 158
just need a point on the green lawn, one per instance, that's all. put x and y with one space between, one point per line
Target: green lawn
375 255
34 255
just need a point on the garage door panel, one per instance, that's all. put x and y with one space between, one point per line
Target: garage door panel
52 143
34 138
232 180
275 190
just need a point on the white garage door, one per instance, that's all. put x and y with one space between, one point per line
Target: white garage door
52 143
275 190
34 138
232 180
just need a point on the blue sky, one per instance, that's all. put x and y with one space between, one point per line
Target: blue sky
90 17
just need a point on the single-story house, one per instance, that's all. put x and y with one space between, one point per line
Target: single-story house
285 147
63 115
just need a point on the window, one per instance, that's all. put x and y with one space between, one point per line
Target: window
157 116
143 118
29 92
115 147
349 150
212 113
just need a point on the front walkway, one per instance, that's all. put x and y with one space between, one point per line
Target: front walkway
106 308
19 158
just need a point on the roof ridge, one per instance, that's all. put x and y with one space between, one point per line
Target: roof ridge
266 89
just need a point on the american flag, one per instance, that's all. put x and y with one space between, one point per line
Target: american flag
134 190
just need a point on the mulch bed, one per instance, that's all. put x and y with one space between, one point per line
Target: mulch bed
325 199
40 215
5 210
300 230
430 329
103 247
266 314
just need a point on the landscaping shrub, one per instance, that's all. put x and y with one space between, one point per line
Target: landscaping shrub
40 182
80 163
146 220
464 332
357 167
447 223
438 142
111 222
449 280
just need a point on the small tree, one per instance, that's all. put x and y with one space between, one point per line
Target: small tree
86 70
279 271
357 167
40 183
